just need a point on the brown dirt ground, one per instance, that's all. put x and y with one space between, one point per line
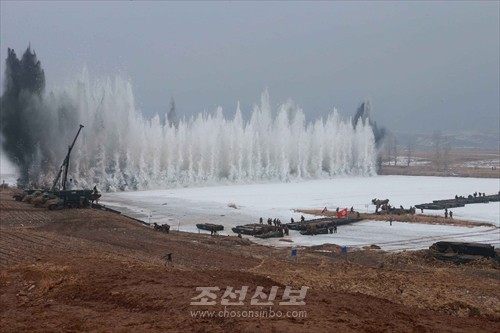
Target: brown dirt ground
83 270
417 218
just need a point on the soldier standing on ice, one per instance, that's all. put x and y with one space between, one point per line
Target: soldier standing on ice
95 195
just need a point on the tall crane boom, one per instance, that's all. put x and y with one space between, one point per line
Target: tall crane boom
65 164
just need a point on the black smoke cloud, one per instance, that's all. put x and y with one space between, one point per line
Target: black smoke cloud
364 113
29 126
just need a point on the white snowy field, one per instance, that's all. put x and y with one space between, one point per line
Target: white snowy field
182 208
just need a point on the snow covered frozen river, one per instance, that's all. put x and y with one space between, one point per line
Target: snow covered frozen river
183 208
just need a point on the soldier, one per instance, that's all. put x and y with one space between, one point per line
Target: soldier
451 214
302 218
95 195
261 220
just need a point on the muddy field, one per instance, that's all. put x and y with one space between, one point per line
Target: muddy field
84 270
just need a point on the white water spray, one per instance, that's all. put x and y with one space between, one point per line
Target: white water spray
121 150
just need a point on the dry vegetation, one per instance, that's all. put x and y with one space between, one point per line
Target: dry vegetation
420 218
458 163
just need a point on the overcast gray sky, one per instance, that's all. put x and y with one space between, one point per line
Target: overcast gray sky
423 65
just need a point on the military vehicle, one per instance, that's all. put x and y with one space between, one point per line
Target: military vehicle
58 197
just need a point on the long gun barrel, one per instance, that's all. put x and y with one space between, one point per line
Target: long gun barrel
65 164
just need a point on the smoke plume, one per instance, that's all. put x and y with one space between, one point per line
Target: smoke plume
364 114
22 109
121 150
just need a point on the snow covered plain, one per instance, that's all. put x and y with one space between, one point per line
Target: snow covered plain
183 208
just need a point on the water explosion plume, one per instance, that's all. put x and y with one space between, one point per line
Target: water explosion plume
121 150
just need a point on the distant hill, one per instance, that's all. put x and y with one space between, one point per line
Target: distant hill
485 141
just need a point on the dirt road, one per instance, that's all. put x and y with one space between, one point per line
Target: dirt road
84 270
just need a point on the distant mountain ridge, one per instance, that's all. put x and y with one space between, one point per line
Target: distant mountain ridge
463 140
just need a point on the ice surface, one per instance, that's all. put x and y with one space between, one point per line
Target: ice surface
182 208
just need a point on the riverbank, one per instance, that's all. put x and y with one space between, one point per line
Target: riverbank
85 270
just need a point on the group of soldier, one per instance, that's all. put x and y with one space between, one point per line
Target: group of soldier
274 225
473 195
276 222
387 208
312 229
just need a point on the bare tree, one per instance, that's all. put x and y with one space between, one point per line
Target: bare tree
409 152
442 148
387 150
446 154
395 150
437 141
